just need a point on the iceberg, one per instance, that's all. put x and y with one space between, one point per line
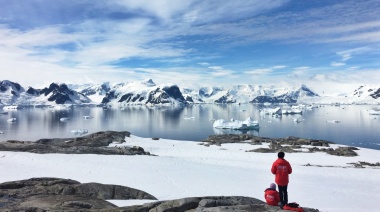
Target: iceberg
12 120
292 111
10 107
333 121
248 124
270 111
374 112
64 119
79 131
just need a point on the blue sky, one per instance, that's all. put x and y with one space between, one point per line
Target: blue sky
321 43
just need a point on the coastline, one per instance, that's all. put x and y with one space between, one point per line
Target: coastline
187 169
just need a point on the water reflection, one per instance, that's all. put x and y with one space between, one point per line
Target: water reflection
254 132
355 127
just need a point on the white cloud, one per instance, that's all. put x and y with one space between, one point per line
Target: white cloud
302 68
336 64
204 64
348 54
259 71
279 67
215 67
264 71
155 30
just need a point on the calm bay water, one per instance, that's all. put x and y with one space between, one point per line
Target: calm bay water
194 123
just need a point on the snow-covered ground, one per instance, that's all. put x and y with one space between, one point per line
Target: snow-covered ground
186 169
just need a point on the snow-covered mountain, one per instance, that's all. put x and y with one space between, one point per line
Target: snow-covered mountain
61 94
365 94
12 93
148 93
96 92
301 94
9 92
144 92
249 94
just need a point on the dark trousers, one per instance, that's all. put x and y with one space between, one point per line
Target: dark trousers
283 190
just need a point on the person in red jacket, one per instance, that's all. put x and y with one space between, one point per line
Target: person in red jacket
271 195
281 168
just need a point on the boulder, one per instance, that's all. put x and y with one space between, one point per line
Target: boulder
39 194
208 204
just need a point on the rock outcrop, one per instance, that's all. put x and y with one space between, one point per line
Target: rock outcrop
96 143
55 194
208 204
289 144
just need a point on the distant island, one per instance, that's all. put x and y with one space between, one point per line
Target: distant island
148 93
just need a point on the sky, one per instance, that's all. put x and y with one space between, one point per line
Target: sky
327 45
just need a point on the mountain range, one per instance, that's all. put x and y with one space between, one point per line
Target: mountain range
148 93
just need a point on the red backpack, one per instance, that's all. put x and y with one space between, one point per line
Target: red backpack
293 206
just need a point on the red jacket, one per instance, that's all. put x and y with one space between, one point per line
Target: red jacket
272 197
281 168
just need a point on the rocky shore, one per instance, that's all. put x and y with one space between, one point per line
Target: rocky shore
49 194
55 194
96 143
289 144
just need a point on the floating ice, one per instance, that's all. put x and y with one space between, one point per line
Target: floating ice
10 107
1 132
12 120
87 117
79 131
248 124
374 112
295 120
333 121
270 111
292 111
64 119
190 117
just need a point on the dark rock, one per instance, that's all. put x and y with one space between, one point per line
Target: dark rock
343 151
289 144
316 143
13 86
109 96
375 94
225 100
61 94
96 143
227 138
209 204
165 95
39 194
289 97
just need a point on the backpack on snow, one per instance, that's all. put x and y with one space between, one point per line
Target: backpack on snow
293 206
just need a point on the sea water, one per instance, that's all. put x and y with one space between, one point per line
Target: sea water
345 124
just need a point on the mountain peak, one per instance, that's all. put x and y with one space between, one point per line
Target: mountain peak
149 83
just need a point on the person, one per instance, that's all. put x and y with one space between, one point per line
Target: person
281 168
271 195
